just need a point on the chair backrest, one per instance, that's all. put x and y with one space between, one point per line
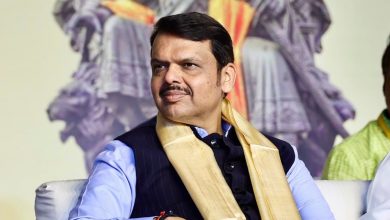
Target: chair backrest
346 199
54 200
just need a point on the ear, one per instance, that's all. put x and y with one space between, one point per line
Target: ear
228 77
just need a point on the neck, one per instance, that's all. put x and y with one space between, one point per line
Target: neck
213 121
215 127
210 124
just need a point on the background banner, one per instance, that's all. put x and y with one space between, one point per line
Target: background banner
278 87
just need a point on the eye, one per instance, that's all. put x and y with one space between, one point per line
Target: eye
157 68
189 66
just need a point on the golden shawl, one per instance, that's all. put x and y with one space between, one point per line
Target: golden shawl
195 163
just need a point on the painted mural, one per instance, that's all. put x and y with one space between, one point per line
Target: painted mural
279 88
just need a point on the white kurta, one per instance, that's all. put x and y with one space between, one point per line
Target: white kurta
378 195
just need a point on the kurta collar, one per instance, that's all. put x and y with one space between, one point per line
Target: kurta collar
225 128
384 123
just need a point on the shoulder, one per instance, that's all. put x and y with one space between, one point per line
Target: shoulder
361 137
116 154
286 152
357 145
139 133
355 157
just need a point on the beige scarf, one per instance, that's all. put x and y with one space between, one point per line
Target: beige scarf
195 163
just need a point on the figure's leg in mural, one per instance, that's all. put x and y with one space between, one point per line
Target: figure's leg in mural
313 155
321 138
298 31
258 72
274 104
125 72
125 62
316 146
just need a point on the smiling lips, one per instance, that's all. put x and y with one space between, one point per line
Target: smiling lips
173 93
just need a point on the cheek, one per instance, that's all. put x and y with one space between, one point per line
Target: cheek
210 89
203 86
386 89
155 87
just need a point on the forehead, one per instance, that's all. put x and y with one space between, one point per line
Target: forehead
176 47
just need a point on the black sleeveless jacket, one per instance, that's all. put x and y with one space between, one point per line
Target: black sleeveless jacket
158 186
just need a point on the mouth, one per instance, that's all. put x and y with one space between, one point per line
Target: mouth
174 93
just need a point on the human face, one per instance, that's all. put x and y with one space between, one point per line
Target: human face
386 91
186 85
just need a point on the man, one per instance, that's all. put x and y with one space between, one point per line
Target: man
358 156
198 158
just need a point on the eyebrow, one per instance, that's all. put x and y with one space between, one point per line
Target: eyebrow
157 61
189 60
184 60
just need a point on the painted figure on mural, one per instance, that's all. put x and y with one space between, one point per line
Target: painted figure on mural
331 109
279 88
295 98
327 127
120 83
87 119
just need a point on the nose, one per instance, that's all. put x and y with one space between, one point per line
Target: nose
173 74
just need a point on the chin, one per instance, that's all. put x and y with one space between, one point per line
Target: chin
175 116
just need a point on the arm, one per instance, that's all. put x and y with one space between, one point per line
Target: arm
310 202
378 195
110 190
